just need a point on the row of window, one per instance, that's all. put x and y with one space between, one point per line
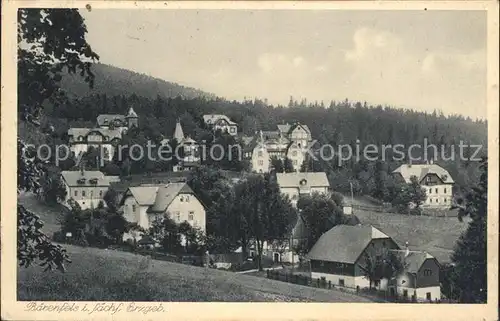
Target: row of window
91 138
436 190
261 154
176 215
91 193
436 200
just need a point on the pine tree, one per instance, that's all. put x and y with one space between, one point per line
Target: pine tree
469 277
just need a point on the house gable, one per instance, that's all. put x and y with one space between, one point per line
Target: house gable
377 246
428 274
431 179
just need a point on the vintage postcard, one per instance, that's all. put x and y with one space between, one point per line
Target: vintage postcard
249 160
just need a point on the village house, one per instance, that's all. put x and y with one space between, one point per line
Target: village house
295 185
435 180
221 122
145 203
104 137
288 141
188 150
420 277
87 188
340 255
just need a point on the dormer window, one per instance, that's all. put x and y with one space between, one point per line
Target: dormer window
303 182
93 181
81 181
106 121
80 138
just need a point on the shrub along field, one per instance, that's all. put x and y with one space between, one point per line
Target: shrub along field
107 275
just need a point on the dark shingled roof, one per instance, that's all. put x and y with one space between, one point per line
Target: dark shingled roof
421 170
109 118
344 243
72 177
156 178
414 260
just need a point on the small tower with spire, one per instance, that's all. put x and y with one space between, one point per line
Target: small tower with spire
132 118
178 133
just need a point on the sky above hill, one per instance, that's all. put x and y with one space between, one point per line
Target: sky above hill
423 60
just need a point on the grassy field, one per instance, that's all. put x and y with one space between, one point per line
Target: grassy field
436 235
50 215
119 276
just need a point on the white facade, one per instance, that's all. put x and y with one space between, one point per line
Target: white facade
296 155
434 179
294 193
438 196
80 188
347 280
287 142
222 123
184 207
108 150
281 255
301 136
423 294
261 162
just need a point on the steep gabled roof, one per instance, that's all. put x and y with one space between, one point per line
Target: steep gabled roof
294 179
101 119
178 133
344 243
421 170
167 193
252 144
305 127
106 132
271 134
72 177
214 118
246 140
144 195
131 113
284 128
414 260
155 179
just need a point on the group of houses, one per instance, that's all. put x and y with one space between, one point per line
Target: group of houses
289 141
105 135
339 255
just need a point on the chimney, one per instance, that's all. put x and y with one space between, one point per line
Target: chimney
407 252
82 169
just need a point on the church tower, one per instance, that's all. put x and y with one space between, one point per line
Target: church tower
178 133
132 118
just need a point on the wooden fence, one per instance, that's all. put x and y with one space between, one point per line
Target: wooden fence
424 212
322 283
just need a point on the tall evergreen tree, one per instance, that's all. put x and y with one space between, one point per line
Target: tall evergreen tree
469 277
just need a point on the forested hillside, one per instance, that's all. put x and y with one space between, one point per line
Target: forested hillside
111 80
334 123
